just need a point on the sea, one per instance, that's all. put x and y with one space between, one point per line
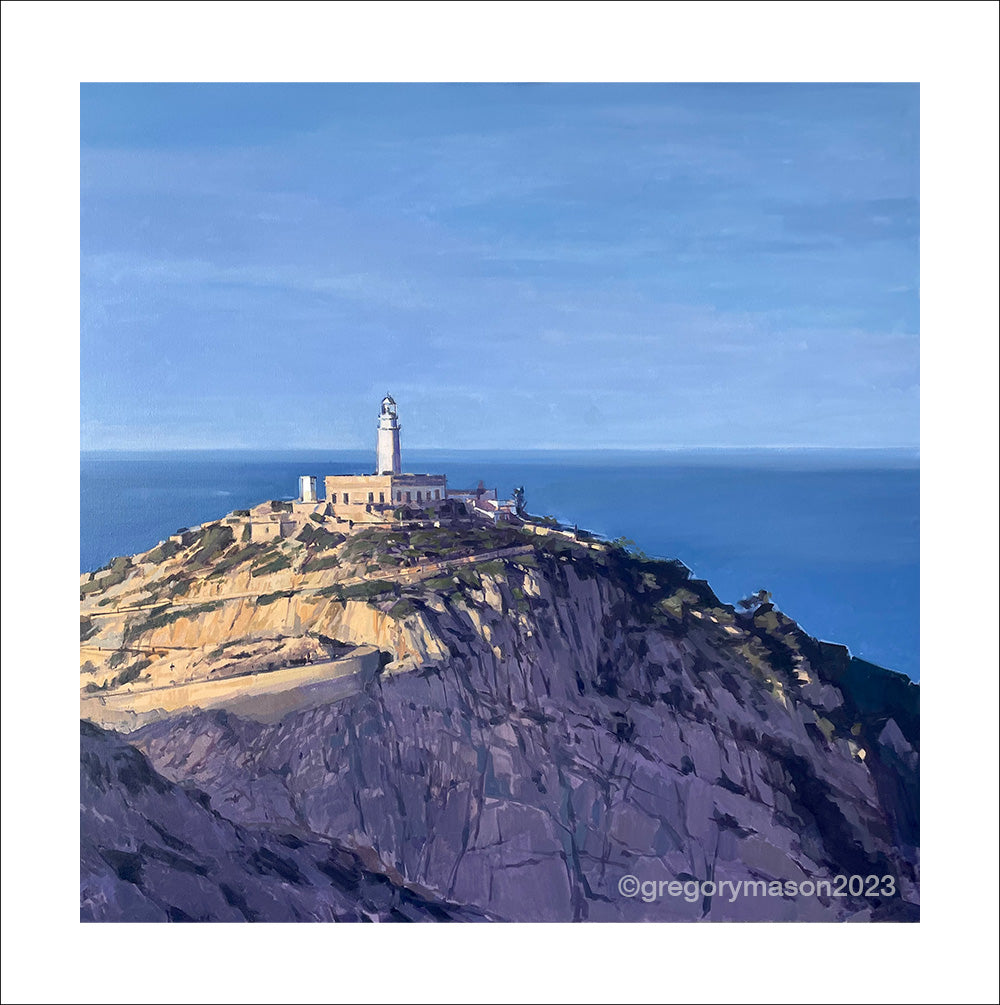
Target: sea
832 534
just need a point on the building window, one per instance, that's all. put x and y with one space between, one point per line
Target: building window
381 497
437 493
399 497
345 497
419 498
407 496
371 497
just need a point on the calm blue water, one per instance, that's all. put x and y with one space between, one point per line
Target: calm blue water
833 535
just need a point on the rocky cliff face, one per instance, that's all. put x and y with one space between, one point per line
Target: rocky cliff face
155 851
570 720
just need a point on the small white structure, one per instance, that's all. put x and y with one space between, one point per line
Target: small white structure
388 460
307 488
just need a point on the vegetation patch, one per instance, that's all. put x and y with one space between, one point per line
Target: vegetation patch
402 547
130 673
367 543
212 541
318 564
469 576
238 557
494 567
270 598
370 590
403 608
162 552
115 563
279 563
115 572
374 588
177 584
169 615
320 538
561 547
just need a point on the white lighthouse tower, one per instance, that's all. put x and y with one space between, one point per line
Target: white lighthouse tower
387 451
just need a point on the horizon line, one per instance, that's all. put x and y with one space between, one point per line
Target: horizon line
913 448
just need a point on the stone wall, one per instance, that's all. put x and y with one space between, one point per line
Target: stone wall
265 530
265 697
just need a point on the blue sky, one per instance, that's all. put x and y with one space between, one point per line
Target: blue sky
523 266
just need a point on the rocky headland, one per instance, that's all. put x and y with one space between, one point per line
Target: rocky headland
473 721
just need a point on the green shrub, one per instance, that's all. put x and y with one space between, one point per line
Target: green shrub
162 552
270 598
369 590
320 539
177 585
318 564
279 563
211 542
130 673
364 544
118 562
559 546
239 557
116 570
494 567
168 615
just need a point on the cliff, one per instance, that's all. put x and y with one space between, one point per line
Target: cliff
154 851
553 718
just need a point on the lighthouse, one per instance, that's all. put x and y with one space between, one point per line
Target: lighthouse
387 460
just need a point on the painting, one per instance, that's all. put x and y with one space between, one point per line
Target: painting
500 503
523 519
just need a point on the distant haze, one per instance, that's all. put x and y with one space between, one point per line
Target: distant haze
521 266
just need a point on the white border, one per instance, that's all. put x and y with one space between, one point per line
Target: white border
950 48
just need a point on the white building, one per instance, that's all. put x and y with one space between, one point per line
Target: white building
307 489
